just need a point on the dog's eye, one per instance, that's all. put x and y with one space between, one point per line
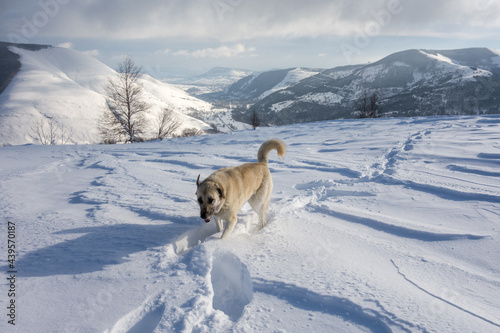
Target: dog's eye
210 200
200 200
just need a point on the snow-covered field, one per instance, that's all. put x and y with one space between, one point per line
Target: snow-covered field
374 225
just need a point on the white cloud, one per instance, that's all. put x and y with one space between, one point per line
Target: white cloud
163 52
220 52
181 53
92 53
66 45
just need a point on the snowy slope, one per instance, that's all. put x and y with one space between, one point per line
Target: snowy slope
68 86
261 84
407 83
292 77
374 226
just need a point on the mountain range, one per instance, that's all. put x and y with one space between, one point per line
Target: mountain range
407 83
258 85
43 82
216 79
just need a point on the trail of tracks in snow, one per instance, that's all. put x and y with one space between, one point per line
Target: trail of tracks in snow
389 172
442 299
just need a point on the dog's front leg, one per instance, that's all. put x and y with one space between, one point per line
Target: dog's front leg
219 223
229 227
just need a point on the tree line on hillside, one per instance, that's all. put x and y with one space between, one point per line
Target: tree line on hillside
367 106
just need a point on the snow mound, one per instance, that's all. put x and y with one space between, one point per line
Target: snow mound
231 283
194 237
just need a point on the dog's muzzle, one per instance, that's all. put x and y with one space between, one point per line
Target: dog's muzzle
204 215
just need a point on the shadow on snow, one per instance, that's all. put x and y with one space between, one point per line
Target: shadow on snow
337 306
97 248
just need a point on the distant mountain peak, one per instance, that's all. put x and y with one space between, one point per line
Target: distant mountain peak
413 82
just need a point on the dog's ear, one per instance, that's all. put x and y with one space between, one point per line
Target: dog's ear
220 190
198 181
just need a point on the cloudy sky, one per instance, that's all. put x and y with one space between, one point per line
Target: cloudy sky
170 37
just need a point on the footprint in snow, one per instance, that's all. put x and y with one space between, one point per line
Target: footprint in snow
144 319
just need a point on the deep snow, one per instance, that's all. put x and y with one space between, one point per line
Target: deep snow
374 225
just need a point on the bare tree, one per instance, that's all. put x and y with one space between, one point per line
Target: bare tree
255 120
363 105
191 132
373 105
167 124
124 116
368 106
48 132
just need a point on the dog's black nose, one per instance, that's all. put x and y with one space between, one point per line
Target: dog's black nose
203 214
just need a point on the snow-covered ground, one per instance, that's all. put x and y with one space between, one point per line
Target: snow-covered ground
374 225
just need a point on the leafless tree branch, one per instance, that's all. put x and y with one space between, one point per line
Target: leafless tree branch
167 124
48 132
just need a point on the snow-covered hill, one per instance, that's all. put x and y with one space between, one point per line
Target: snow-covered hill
408 83
386 225
67 86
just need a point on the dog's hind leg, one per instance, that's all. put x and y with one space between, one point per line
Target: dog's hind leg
262 214
266 191
259 205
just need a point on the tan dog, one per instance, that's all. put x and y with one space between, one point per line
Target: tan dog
226 190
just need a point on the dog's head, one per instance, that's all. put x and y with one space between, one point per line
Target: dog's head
210 197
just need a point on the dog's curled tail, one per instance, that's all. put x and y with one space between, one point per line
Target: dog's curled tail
262 155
